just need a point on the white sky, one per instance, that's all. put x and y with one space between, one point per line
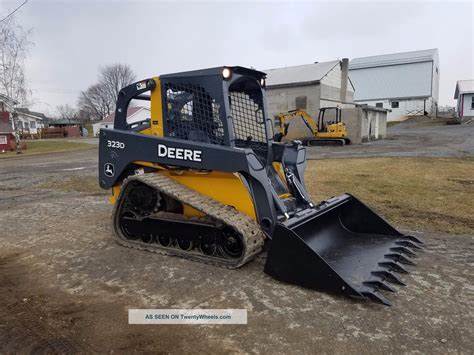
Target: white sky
74 38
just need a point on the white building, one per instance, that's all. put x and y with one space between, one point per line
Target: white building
134 114
464 94
30 122
406 83
309 87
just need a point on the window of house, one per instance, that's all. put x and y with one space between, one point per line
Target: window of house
394 104
379 104
472 103
301 102
32 124
3 139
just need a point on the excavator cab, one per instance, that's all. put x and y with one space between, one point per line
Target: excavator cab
204 180
328 116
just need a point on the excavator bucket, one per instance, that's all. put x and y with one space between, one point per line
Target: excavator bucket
342 247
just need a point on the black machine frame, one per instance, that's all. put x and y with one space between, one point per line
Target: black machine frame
229 157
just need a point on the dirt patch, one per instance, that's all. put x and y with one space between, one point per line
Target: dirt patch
35 318
30 316
464 182
84 183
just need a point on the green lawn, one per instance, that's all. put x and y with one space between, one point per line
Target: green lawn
418 193
48 146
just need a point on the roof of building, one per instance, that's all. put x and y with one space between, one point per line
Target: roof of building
64 122
7 98
38 115
130 112
464 86
425 55
5 127
300 74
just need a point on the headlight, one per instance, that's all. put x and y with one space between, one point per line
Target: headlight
226 73
262 82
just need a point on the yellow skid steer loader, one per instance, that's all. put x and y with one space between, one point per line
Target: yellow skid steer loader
204 180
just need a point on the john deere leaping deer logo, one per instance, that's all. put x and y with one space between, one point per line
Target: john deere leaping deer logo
109 169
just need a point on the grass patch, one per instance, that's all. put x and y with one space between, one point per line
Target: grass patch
49 146
433 194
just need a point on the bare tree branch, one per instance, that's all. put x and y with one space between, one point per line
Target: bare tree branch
66 111
99 99
14 47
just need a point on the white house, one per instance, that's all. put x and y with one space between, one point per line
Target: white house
29 122
134 114
406 83
464 94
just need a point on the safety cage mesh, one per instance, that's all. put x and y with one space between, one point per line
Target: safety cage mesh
248 121
192 114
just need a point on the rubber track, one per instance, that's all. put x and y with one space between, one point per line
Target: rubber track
252 235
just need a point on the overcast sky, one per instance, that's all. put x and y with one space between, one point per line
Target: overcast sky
74 38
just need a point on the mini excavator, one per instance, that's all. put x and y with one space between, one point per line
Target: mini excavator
299 125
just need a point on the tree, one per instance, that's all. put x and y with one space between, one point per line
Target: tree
96 102
114 77
14 47
99 99
66 111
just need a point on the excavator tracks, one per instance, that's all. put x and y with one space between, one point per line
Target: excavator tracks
224 237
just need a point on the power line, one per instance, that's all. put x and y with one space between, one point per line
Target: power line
11 13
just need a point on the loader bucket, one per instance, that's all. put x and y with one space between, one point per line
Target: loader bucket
342 247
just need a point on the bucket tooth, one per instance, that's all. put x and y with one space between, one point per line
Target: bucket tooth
408 243
381 285
389 276
400 258
377 297
413 239
393 265
404 250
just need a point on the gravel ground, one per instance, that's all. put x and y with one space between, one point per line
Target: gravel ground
65 285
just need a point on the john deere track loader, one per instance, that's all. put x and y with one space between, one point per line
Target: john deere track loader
202 179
